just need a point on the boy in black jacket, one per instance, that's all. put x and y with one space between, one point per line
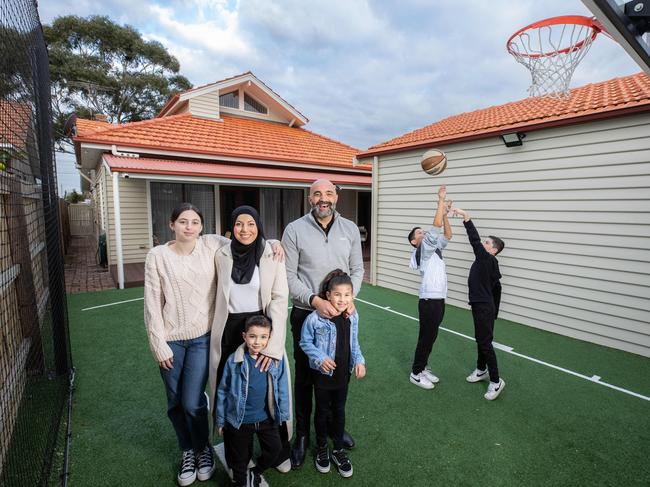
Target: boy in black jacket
484 298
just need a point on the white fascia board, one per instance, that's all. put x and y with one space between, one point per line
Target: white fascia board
106 166
217 158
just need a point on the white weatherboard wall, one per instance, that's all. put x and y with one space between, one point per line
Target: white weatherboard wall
135 224
573 206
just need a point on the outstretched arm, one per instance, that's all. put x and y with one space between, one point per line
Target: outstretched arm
442 194
472 233
445 221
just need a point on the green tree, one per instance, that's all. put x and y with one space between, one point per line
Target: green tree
74 197
98 66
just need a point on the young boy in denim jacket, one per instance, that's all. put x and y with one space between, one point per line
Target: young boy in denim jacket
249 402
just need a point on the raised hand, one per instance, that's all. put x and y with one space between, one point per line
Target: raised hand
448 206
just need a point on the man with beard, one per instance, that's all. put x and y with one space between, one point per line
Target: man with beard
315 244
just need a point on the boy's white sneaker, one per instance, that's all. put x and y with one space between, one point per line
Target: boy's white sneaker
421 380
284 467
494 389
478 376
429 375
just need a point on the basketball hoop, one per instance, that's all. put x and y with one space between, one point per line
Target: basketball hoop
551 49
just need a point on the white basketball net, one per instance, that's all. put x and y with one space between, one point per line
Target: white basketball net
551 54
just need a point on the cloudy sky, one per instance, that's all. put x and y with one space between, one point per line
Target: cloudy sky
362 71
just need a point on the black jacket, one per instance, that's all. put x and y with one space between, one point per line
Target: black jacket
483 281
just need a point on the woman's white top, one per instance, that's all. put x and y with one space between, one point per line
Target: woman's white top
245 298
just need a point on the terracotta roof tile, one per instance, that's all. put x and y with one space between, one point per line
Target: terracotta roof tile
233 137
86 126
598 98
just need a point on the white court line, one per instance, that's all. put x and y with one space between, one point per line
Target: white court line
112 304
594 378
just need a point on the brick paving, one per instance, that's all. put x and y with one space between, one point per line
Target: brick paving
82 273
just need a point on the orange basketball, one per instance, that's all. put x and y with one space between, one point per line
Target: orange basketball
434 161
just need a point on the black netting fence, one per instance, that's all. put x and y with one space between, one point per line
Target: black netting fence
35 363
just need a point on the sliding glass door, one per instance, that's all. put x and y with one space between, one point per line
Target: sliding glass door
278 208
166 196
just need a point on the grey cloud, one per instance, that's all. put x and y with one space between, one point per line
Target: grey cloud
367 71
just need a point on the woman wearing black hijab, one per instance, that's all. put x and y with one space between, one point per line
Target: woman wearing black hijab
249 282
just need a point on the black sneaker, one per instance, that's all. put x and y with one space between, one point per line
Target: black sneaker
322 460
342 462
206 466
187 470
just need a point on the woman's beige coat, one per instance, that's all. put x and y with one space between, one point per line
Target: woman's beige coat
274 292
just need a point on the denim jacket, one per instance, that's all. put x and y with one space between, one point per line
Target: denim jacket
318 341
233 391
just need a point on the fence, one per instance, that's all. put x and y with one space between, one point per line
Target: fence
82 219
35 362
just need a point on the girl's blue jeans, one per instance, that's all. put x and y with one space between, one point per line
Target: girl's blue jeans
187 406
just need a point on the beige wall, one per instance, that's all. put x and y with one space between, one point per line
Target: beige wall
572 206
135 223
205 106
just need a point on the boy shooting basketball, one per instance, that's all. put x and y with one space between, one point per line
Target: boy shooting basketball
484 298
427 259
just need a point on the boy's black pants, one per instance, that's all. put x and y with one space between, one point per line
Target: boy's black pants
430 312
330 405
484 314
239 447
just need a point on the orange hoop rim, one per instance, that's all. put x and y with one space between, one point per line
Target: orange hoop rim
592 22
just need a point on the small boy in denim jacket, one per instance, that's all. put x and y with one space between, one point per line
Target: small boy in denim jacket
249 402
332 347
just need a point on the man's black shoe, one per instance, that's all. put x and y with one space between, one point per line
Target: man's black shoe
298 451
348 442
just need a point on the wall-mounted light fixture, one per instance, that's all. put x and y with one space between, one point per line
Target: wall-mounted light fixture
513 139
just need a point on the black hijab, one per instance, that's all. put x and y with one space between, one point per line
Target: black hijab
246 257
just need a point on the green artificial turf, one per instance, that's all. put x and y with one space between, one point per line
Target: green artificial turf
547 428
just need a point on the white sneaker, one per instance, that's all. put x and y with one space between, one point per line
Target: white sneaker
421 380
494 390
284 467
429 375
478 376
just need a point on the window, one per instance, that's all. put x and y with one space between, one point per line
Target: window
166 196
229 100
252 105
279 207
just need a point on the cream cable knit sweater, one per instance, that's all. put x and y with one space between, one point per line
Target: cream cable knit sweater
179 293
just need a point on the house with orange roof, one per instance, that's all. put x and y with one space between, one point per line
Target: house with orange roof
217 146
565 183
